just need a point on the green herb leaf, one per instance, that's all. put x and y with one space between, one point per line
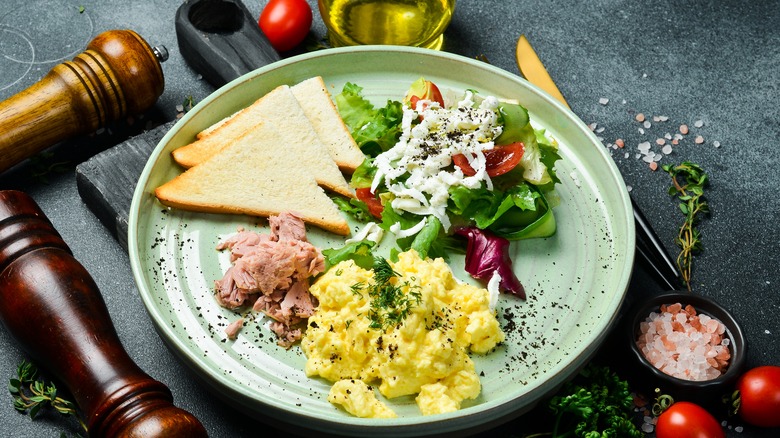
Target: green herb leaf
32 395
34 410
597 403
688 183
391 300
14 385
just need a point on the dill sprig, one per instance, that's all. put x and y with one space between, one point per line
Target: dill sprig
390 302
31 394
688 182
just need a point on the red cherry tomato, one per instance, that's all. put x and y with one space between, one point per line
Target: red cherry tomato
498 161
687 420
759 392
373 203
285 22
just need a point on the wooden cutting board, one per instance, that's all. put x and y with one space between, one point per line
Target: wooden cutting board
106 181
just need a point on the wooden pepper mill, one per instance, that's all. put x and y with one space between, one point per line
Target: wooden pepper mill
53 308
118 75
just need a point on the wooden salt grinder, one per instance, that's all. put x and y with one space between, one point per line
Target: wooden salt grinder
118 75
53 308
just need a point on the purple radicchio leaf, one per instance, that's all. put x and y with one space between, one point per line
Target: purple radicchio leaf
486 253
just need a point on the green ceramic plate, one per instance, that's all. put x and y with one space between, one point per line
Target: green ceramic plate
575 281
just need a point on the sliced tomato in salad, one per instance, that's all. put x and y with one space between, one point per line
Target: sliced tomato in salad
498 161
373 203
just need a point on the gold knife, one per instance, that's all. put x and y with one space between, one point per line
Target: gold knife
648 244
533 70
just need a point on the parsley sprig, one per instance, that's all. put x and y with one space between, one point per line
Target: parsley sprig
391 302
688 182
597 403
31 394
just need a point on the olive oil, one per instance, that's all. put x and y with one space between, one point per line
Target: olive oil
398 22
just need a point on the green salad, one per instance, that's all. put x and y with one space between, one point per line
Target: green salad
434 171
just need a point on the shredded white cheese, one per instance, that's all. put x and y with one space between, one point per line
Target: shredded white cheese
399 233
493 289
371 231
418 170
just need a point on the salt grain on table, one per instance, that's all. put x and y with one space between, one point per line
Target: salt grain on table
699 139
684 129
667 149
603 101
698 123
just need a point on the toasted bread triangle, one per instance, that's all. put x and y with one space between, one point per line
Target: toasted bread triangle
328 124
255 175
280 108
316 104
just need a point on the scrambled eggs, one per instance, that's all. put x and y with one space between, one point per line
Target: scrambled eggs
353 337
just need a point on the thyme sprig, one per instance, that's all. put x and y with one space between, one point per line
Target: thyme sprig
391 301
31 394
688 182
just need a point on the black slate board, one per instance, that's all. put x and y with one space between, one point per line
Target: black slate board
106 181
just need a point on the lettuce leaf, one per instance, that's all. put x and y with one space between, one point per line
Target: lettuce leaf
512 213
374 129
359 252
363 176
353 207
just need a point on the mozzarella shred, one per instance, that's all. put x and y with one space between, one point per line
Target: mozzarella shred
418 170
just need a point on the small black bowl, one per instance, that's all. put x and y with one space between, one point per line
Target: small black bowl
708 393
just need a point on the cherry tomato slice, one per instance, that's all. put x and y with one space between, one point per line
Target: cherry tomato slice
285 22
373 203
424 90
759 393
687 420
498 161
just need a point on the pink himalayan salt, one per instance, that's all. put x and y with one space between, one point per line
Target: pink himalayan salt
684 344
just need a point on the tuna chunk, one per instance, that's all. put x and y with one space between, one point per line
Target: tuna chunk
232 330
287 226
229 295
298 301
242 242
271 274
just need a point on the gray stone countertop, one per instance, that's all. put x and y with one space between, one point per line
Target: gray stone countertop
707 61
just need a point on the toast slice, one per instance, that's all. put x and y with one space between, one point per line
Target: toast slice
253 176
280 108
320 110
318 107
